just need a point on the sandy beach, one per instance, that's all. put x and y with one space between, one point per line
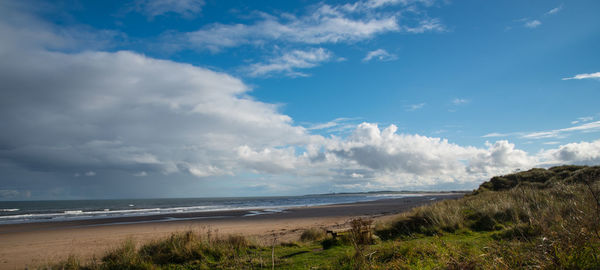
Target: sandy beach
34 244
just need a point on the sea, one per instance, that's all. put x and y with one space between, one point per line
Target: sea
16 212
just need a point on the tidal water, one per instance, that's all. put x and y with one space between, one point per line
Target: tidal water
12 212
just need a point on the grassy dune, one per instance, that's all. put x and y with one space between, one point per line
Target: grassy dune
540 218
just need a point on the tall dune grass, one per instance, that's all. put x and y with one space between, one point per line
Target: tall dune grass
558 219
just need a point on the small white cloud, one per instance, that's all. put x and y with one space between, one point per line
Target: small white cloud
289 62
551 143
582 119
533 24
460 101
90 173
141 174
342 121
554 10
415 107
494 134
427 25
380 55
357 175
584 76
323 125
588 127
153 8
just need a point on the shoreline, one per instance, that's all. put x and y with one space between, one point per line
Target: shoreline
32 244
176 208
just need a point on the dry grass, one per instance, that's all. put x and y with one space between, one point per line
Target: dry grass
312 234
551 226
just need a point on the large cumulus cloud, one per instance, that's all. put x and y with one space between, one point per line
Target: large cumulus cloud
583 153
396 160
124 109
91 110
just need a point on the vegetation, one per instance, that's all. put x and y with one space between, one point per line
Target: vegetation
312 234
541 218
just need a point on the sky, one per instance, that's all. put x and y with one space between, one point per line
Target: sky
205 98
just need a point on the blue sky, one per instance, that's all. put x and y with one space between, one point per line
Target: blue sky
188 98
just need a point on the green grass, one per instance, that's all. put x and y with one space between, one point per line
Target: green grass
548 219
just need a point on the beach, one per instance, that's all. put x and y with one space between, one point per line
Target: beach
35 244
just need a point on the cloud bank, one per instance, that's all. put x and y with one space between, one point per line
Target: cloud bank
88 115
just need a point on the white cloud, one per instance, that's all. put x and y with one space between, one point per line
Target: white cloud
392 159
342 121
460 101
140 174
582 119
383 3
322 24
356 175
380 55
588 127
494 134
556 133
554 10
153 8
533 24
500 157
584 76
414 107
122 111
552 143
384 150
90 173
269 160
327 125
426 25
584 153
289 62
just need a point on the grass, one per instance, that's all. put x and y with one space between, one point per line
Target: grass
548 219
312 234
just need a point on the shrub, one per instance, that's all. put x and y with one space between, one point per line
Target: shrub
124 257
361 232
178 248
312 234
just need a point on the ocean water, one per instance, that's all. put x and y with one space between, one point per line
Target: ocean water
12 212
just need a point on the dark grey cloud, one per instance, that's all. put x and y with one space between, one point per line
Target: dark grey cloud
73 112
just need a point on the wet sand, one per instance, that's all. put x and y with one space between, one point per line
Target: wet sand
35 244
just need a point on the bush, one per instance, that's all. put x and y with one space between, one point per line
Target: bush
124 257
312 234
178 248
361 232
